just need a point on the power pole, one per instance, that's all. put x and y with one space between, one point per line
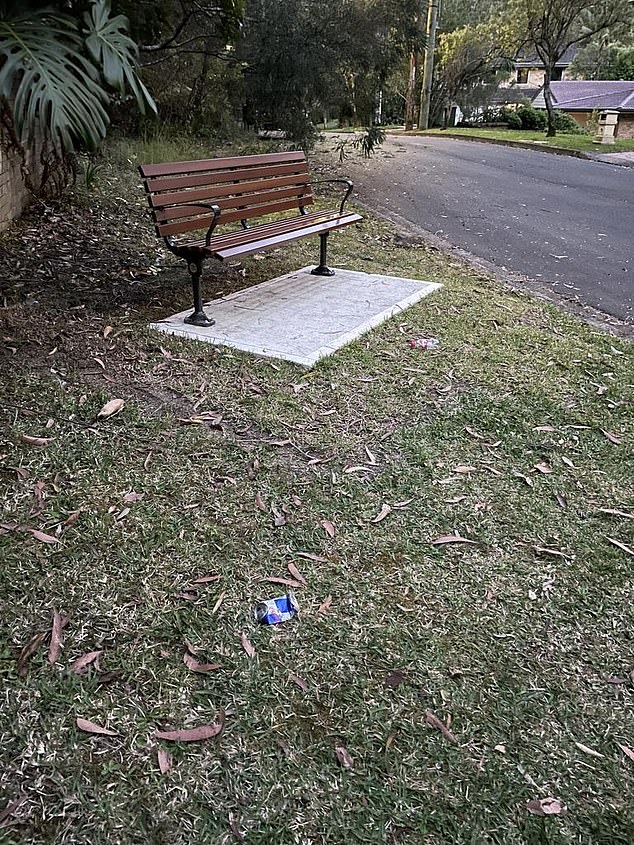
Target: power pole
410 95
428 68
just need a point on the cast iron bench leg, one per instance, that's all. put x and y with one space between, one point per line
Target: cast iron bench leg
323 269
198 317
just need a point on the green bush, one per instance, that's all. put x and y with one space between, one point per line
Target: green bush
531 117
565 123
513 120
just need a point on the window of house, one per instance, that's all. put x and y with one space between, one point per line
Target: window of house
522 75
557 74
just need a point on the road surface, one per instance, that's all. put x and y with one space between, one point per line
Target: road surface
566 222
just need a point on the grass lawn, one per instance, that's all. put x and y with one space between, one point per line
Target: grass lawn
584 143
427 693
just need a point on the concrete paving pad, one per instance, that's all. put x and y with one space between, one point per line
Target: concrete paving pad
300 317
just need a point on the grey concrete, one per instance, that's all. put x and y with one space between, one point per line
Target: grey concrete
300 317
566 222
624 159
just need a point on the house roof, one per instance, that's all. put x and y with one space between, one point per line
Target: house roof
575 95
532 60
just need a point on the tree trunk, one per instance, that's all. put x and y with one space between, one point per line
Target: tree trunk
548 99
410 96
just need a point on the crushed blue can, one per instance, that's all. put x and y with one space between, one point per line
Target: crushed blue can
280 609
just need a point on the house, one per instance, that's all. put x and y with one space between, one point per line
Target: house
580 99
527 78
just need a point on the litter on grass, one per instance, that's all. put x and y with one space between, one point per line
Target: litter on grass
276 610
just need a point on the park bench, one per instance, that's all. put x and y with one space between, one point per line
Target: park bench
186 196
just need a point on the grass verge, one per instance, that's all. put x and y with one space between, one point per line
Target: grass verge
428 692
583 143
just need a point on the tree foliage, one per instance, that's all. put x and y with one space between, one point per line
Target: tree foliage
550 27
58 72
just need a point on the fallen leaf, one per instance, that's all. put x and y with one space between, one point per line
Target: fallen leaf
207 579
106 331
568 462
110 409
301 683
611 437
132 497
561 500
190 734
385 511
55 645
296 573
195 666
10 809
329 528
473 433
42 536
186 596
455 500
396 678
621 546
122 514
310 556
286 582
259 502
92 728
462 469
546 807
164 760
501 749
452 538
613 512
371 457
543 467
343 757
545 550
71 518
31 648
543 428
219 601
81 664
246 645
323 607
589 751
627 751
525 478
41 442
278 517
435 722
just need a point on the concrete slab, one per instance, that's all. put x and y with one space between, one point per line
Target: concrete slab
300 317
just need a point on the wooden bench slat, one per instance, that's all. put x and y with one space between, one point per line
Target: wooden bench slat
250 205
240 190
273 241
265 229
173 183
191 225
184 167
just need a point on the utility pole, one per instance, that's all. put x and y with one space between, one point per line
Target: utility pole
428 68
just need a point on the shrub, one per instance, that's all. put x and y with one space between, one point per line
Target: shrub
513 120
532 118
567 124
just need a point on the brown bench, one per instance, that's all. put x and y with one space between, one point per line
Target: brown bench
186 196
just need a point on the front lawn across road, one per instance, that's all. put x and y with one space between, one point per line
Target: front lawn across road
583 143
456 525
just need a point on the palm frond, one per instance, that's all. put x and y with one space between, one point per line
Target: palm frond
53 88
114 52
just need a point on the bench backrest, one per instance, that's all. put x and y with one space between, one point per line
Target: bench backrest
242 186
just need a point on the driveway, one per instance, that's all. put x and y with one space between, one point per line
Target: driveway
567 223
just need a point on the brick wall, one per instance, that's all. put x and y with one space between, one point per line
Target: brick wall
625 128
14 195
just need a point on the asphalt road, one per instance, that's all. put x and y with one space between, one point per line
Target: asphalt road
566 222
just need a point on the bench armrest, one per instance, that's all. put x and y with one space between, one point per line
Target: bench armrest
214 222
347 182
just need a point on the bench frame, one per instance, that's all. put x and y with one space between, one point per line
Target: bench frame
239 188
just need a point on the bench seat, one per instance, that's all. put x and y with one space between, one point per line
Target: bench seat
193 196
